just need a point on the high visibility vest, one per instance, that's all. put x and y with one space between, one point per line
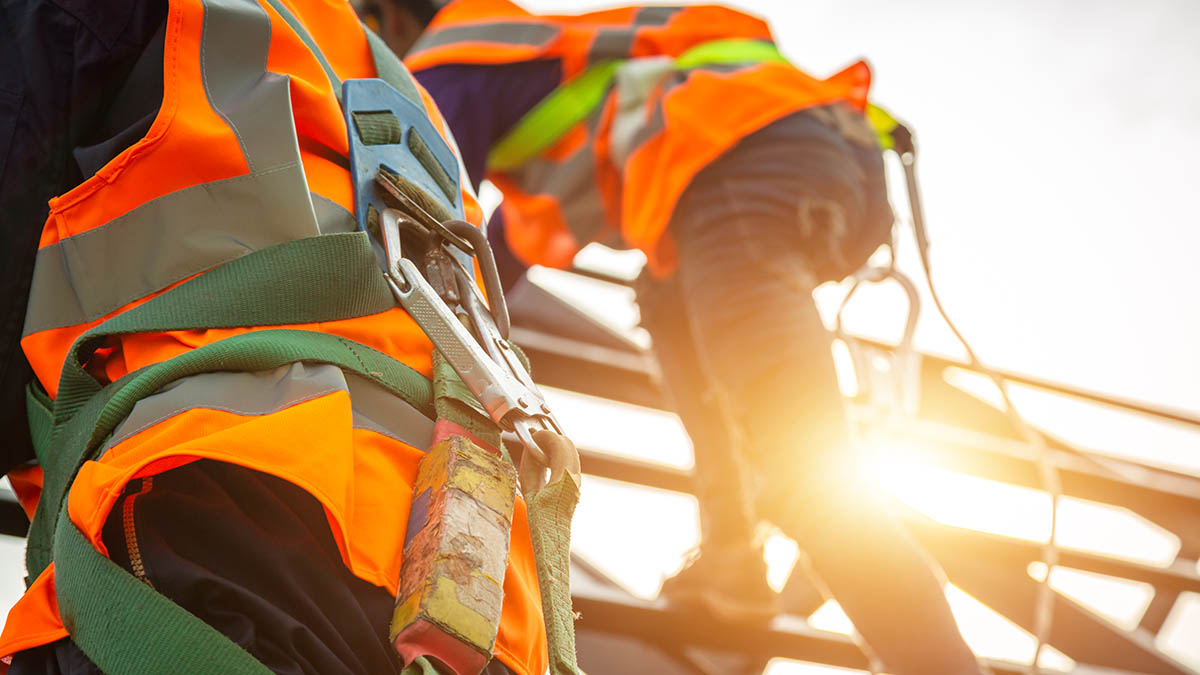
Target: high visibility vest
649 96
245 162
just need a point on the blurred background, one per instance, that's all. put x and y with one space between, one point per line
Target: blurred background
1058 142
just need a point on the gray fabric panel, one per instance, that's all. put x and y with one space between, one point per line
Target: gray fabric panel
233 59
611 43
258 393
571 182
655 16
503 32
332 217
651 128
270 391
378 410
163 241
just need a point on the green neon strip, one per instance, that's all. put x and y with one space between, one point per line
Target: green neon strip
551 119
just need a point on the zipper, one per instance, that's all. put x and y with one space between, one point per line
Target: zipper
131 541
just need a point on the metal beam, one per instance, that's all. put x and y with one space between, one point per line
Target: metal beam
1076 631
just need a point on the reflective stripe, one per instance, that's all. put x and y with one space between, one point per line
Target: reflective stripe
636 81
572 184
270 391
87 275
378 410
553 117
517 33
655 16
332 217
612 43
233 62
577 98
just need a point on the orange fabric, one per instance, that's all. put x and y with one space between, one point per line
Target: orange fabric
703 117
26 482
698 131
363 479
34 620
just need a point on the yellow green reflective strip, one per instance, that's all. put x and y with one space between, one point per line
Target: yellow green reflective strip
572 102
883 123
553 117
729 51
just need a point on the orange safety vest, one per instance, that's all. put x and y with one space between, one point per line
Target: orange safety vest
616 176
247 152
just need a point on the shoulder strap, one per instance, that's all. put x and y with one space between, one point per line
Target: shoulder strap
390 69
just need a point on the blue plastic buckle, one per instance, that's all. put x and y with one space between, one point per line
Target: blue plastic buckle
375 97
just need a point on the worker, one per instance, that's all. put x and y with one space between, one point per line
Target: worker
682 132
240 488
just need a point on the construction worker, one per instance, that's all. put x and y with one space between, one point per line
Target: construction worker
682 132
227 407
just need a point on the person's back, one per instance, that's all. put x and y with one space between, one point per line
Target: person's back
682 132
269 402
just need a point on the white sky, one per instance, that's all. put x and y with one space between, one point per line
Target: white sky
1057 141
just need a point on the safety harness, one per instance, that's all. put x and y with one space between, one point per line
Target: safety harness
124 625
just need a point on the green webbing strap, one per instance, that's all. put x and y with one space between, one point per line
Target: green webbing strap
321 278
39 409
553 117
550 510
390 69
125 626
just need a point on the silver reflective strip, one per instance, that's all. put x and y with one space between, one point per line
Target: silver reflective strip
90 274
627 135
377 409
332 217
270 391
617 43
502 32
572 183
233 61
611 43
163 241
635 82
655 16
